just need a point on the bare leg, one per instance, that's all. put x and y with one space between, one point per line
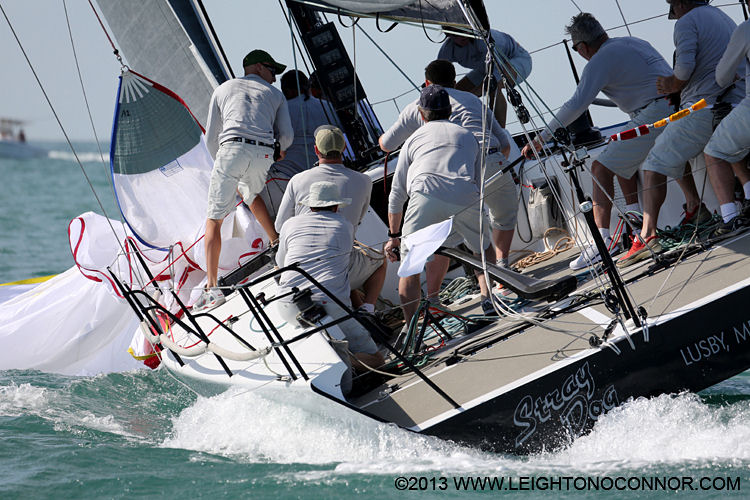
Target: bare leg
654 194
374 284
409 293
259 210
687 184
436 270
741 171
213 250
629 188
483 288
722 178
602 198
500 106
501 239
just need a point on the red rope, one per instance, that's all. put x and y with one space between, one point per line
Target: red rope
117 53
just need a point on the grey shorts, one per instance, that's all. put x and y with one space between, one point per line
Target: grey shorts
358 337
363 263
522 65
500 195
424 210
238 166
624 158
731 140
681 141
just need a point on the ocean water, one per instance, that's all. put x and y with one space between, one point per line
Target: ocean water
144 435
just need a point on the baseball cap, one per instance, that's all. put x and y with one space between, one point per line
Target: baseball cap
434 98
329 138
261 56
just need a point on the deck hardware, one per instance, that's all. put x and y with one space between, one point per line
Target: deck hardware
586 206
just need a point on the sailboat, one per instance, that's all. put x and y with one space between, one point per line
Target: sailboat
13 141
565 349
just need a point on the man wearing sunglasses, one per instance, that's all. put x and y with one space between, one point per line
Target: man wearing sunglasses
625 69
245 117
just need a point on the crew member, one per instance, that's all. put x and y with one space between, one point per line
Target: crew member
245 116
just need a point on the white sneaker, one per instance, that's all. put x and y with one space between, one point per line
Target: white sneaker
590 255
209 299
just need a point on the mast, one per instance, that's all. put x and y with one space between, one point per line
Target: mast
340 84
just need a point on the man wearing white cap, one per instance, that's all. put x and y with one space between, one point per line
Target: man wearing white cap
321 242
368 266
245 116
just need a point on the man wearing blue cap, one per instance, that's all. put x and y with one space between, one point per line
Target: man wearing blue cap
246 115
438 171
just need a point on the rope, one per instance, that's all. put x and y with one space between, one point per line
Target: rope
59 122
561 245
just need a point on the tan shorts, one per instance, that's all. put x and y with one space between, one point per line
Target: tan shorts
238 166
363 263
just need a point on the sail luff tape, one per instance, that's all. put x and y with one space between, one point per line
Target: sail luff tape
644 129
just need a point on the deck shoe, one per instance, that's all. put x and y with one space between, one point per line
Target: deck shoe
210 298
696 216
727 228
590 255
487 307
639 251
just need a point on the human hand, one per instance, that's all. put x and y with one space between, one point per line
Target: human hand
391 249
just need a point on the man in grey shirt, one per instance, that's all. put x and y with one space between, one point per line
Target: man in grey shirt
320 240
245 116
438 171
727 150
367 269
471 53
307 113
500 194
701 35
624 69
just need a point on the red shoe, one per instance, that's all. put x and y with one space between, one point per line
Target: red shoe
697 216
639 251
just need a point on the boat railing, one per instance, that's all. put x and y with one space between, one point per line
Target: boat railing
147 309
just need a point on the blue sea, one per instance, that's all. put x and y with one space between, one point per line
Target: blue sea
144 435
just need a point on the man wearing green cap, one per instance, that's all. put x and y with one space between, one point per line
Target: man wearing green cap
246 115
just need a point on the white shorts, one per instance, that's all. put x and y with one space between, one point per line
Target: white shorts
624 158
500 195
681 141
238 166
363 263
424 210
731 139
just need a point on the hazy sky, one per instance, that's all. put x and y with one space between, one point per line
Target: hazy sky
246 24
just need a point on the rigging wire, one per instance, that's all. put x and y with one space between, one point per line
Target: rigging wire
62 127
623 17
86 100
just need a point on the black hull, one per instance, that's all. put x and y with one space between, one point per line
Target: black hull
691 352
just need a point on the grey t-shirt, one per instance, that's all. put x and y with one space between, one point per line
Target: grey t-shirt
440 159
306 116
625 69
472 56
354 185
466 110
248 107
736 55
700 38
322 243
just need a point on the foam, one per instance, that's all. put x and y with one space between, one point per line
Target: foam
259 429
